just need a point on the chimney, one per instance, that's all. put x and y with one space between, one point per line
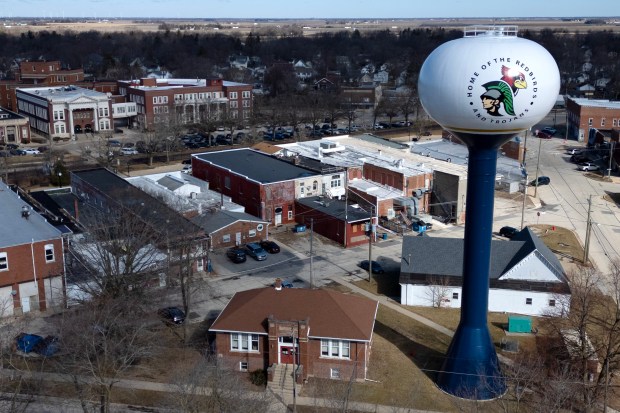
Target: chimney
278 284
379 152
25 212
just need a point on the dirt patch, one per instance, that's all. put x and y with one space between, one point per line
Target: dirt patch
561 241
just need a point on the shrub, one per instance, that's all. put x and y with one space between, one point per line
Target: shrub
259 377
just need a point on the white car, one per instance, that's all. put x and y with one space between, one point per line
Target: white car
187 169
129 151
587 166
30 151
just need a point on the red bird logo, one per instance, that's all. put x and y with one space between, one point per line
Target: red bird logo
514 78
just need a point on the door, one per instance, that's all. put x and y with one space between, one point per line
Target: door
278 219
238 239
286 355
26 305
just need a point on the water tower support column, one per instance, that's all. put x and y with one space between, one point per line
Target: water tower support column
471 369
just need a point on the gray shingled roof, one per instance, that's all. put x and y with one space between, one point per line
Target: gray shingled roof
16 230
427 255
170 183
255 165
221 219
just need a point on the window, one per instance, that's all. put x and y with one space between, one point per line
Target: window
243 366
226 238
4 261
301 188
59 115
602 122
103 112
243 342
334 373
335 348
335 181
245 94
315 185
455 296
49 253
528 301
234 104
590 121
227 182
290 215
551 303
233 95
252 233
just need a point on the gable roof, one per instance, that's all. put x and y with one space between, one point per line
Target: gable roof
330 314
255 165
221 219
427 256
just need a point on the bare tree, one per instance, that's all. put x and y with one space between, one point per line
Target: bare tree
101 341
210 387
438 291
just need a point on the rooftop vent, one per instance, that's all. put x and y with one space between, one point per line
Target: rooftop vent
25 212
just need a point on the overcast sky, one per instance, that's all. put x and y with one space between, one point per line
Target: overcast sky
245 9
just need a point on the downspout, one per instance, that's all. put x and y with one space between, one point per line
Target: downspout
64 272
34 270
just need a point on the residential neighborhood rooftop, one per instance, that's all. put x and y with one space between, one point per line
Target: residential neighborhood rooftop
330 314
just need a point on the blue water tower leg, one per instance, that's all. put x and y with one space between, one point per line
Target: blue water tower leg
471 369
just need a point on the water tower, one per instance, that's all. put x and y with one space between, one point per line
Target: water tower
485 88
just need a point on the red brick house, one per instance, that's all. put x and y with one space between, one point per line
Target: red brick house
326 333
14 128
31 259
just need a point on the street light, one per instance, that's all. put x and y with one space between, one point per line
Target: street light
59 179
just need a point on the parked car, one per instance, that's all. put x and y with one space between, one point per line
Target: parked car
542 180
587 166
187 169
270 246
12 146
508 232
285 284
376 267
255 251
544 135
549 130
172 315
578 158
31 151
575 151
114 142
129 151
236 255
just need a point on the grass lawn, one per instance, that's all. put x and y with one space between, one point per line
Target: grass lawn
405 355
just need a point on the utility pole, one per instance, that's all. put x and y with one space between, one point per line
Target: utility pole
588 229
611 155
370 234
537 165
311 253
523 206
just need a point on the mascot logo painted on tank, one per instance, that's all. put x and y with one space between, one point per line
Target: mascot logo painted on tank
499 100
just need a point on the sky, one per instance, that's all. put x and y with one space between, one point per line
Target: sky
282 9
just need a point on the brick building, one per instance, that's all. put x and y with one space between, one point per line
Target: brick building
414 179
164 101
14 128
266 186
584 114
31 259
341 221
326 333
65 110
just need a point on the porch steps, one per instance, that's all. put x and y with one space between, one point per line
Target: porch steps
406 220
282 384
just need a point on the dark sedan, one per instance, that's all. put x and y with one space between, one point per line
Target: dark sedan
270 246
376 267
172 315
236 255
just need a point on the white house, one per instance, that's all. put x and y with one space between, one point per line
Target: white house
525 276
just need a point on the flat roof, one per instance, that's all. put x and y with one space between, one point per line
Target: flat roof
16 229
597 103
381 192
254 165
336 208
60 93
